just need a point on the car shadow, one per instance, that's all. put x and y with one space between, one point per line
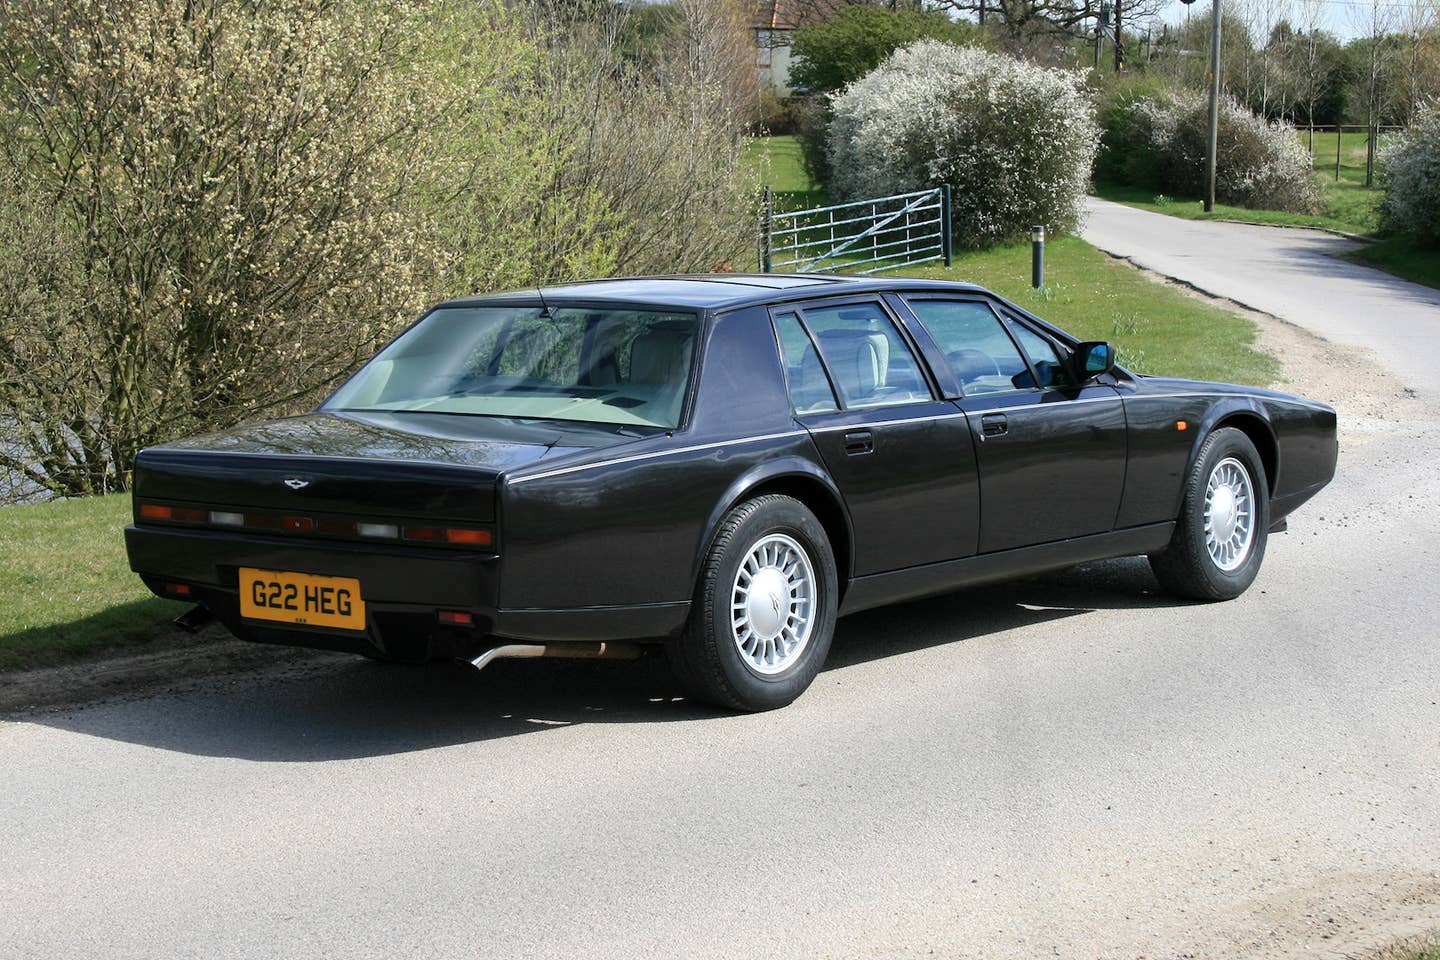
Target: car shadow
331 709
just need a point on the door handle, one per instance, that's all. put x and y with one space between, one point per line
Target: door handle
993 425
859 442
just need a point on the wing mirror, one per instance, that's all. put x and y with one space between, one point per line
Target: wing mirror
1091 359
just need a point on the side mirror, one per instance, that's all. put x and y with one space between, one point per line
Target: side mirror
1093 358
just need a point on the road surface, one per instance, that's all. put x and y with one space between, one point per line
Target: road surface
1074 766
1289 273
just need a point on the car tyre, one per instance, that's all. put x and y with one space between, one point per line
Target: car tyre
1220 537
764 608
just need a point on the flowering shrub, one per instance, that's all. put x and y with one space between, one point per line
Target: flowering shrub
211 211
1412 178
1014 141
1158 141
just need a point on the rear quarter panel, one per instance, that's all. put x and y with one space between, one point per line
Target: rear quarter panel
628 528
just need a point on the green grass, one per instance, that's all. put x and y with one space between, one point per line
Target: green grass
776 162
65 586
1158 329
1401 257
1425 948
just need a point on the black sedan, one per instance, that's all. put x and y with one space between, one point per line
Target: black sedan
715 466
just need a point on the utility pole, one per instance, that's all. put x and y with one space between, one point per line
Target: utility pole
1210 143
1102 23
1119 37
1213 135
982 13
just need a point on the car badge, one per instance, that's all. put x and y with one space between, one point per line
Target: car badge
296 484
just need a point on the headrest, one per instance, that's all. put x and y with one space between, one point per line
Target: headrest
860 359
661 355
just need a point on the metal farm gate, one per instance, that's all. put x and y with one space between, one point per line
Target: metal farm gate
864 236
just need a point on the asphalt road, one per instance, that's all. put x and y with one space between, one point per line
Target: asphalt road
1292 274
1074 766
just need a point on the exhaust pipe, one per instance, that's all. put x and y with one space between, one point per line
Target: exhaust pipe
574 651
195 619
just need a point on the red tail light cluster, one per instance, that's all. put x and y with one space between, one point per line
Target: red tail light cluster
324 526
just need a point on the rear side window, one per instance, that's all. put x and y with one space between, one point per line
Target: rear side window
809 388
981 353
870 362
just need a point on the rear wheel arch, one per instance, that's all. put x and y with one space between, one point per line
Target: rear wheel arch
802 482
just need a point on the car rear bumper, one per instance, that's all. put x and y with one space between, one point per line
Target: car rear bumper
404 589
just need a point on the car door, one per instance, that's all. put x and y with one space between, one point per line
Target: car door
1051 453
904 460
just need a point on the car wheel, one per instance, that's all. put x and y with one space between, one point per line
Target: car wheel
764 609
1219 540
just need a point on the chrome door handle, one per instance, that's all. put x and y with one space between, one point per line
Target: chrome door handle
993 425
858 442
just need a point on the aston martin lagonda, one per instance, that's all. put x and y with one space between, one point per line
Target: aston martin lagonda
712 467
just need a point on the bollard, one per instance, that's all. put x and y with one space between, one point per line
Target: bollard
1037 256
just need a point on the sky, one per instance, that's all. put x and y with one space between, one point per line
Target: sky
1339 14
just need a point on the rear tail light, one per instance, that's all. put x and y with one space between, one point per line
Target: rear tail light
469 536
457 618
365 529
178 589
160 511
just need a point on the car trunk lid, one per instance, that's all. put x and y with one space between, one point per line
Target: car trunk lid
432 466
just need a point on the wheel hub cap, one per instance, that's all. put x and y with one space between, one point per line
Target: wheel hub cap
1229 514
772 604
1222 513
766 609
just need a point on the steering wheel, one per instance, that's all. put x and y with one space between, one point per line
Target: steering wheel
970 364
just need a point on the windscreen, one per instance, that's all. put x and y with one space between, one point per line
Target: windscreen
599 365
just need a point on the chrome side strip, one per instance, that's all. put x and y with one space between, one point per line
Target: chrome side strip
867 424
560 471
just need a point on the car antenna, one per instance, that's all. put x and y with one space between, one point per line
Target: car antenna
546 310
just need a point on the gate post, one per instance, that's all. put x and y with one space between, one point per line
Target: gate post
945 222
767 213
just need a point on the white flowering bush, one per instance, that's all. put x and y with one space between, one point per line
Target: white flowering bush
1412 178
1159 142
1014 141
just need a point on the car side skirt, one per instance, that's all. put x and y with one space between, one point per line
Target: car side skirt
913 583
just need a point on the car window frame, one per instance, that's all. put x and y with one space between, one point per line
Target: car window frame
776 310
877 300
1063 351
704 324
1000 319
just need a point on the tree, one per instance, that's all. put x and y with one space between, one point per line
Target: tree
1417 61
856 38
233 184
1022 22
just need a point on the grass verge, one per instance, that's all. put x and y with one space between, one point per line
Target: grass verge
66 589
1349 208
1426 948
1401 257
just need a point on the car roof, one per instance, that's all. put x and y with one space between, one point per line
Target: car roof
712 291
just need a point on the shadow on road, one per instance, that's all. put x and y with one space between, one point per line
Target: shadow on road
340 709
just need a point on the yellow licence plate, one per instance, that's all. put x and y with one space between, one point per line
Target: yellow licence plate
301 598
